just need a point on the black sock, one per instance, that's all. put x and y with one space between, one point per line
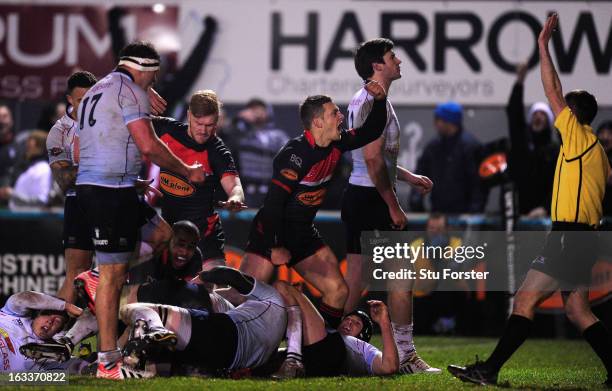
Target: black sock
331 315
223 275
601 341
516 332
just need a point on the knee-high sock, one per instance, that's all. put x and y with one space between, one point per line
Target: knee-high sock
601 341
294 332
516 332
402 334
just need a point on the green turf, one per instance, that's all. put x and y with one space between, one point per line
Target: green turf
539 364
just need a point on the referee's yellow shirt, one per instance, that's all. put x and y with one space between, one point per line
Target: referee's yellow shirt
580 177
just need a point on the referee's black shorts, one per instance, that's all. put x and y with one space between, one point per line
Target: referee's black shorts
569 253
363 209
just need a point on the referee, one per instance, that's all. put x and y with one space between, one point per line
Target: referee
569 253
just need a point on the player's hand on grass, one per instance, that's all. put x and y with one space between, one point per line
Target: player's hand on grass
547 30
73 310
422 183
398 218
233 205
376 90
378 311
158 104
280 256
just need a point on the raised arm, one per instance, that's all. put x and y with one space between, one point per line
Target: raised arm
388 362
550 79
21 303
374 124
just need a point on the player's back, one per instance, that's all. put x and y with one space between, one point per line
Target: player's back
108 155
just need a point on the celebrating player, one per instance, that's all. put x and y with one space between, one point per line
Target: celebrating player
282 231
568 256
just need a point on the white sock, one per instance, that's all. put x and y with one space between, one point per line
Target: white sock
85 325
109 357
294 332
402 334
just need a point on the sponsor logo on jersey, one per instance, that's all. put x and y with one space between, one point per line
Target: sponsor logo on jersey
296 160
289 174
312 198
55 151
7 340
175 186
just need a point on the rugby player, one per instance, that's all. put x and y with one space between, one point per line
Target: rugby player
344 351
243 337
114 130
372 184
196 141
164 279
30 317
282 232
63 152
570 249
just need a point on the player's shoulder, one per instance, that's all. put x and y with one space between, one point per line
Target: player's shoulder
216 143
359 100
175 128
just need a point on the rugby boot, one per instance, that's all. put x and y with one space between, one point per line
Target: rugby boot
415 364
476 373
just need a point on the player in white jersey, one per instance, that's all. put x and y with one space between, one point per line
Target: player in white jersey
114 130
61 148
29 317
243 337
326 352
372 183
63 152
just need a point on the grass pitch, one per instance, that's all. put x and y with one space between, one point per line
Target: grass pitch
539 364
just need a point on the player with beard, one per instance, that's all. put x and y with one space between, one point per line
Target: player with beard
196 141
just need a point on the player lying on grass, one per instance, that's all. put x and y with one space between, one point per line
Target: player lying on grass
326 352
33 317
243 337
163 279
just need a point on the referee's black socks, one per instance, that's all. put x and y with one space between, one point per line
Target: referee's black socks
516 332
601 341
